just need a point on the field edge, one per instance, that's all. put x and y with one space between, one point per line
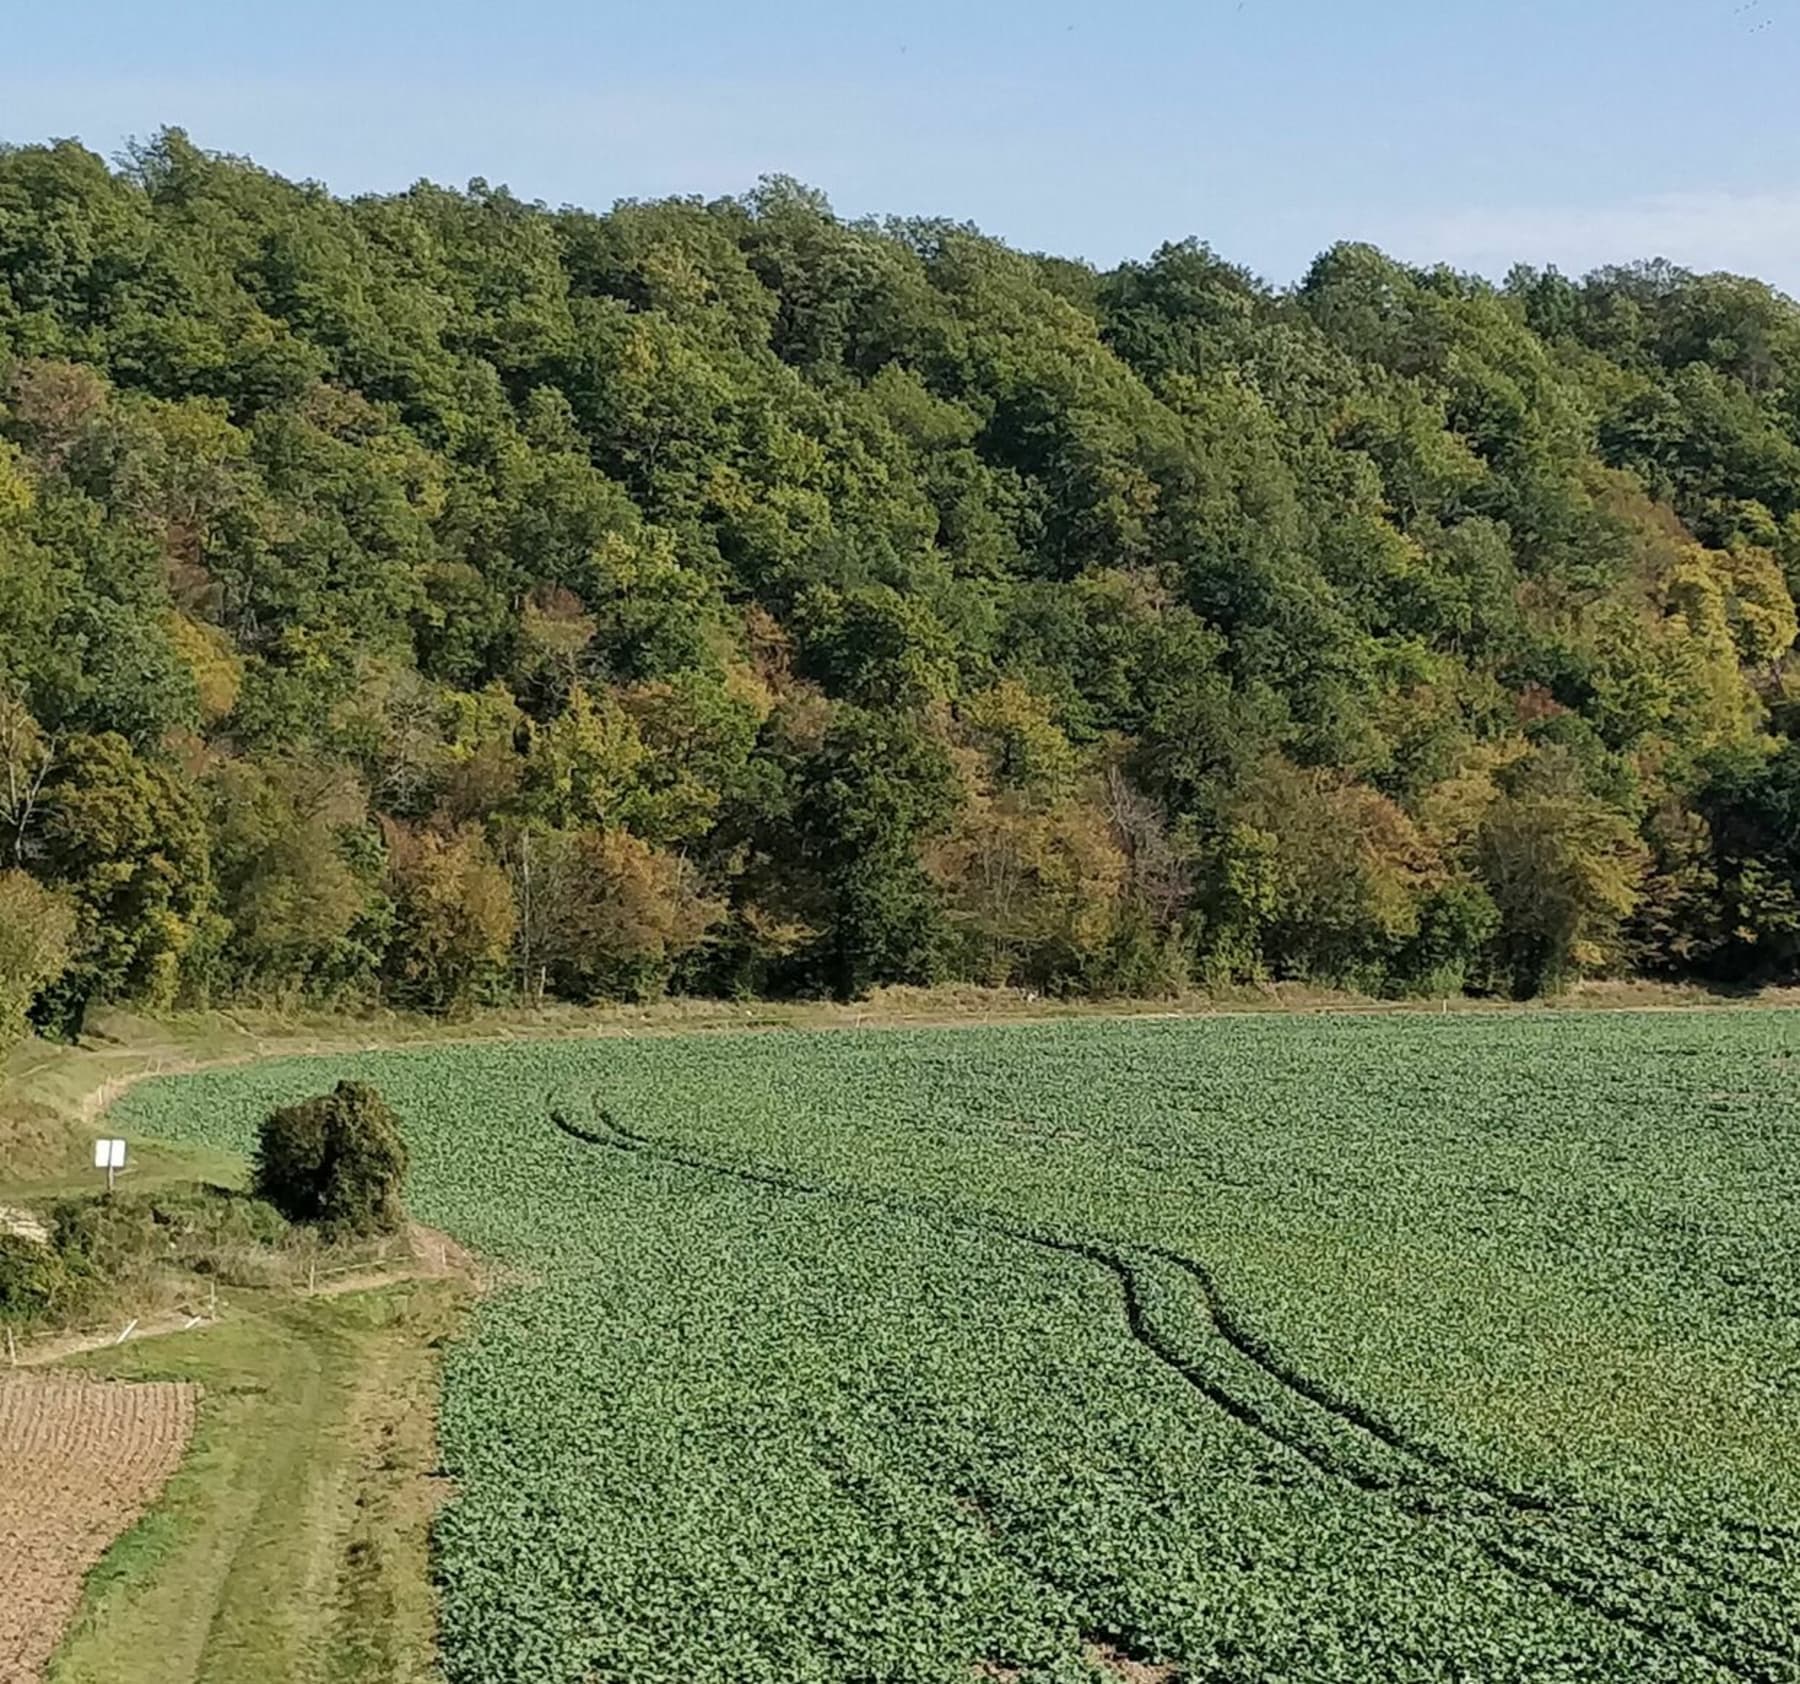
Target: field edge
294 1540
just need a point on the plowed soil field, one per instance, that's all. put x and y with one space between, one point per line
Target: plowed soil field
79 1460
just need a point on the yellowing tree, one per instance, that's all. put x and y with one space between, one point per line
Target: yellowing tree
453 915
614 915
1564 869
37 938
1347 872
584 765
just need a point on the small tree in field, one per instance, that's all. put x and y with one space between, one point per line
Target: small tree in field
337 1160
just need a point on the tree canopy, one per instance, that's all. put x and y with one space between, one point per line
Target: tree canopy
441 597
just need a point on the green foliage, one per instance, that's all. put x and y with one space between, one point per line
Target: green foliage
1446 955
443 515
118 1247
1240 1344
873 790
190 1228
35 1280
37 933
336 1161
1752 805
125 838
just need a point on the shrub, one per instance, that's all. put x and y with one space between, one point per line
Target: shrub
337 1160
186 1227
1448 952
34 1280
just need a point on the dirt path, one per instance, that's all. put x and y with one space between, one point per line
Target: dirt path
42 1352
79 1460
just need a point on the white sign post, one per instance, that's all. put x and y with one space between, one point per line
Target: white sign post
109 1155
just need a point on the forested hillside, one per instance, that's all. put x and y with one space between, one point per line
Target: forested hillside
437 598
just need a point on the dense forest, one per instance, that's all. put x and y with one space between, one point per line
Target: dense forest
437 598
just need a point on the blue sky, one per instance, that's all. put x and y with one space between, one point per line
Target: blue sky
1578 133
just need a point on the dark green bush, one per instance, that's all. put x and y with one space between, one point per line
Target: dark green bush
35 1282
337 1161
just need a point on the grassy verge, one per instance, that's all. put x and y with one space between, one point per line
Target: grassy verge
294 1542
142 1258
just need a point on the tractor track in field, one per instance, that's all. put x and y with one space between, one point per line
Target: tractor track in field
1559 1544
1257 1351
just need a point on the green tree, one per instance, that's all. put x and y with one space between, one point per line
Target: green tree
1752 807
126 838
737 529
876 788
37 943
337 1161
585 765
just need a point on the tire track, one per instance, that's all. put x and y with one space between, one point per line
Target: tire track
1257 1351
1527 1535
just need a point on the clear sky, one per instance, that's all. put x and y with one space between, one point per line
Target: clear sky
1579 132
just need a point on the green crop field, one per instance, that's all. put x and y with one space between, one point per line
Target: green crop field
1394 1348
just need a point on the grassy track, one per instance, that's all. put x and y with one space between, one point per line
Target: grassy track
292 1547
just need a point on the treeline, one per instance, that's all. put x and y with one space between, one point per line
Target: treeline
436 597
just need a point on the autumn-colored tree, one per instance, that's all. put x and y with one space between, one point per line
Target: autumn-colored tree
1031 873
1031 892
1025 751
453 917
699 733
1317 876
810 553
614 915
